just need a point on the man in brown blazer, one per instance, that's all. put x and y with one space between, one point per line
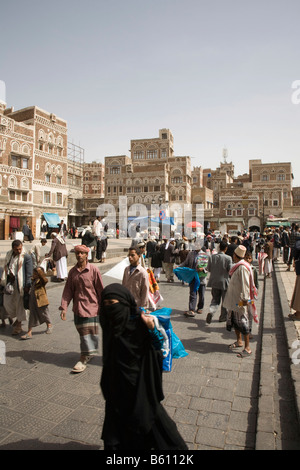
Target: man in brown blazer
136 278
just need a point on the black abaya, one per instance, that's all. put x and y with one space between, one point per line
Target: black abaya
131 380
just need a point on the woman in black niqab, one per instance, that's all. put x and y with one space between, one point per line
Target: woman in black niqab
131 379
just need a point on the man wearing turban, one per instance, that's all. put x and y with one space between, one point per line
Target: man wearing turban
84 286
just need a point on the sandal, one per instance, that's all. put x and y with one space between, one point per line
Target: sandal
235 345
27 336
79 367
244 353
190 313
49 329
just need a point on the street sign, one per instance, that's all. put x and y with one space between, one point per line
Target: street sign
162 215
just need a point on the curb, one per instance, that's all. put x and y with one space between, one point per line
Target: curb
265 439
266 435
291 338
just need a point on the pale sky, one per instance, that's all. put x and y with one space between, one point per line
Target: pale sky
218 73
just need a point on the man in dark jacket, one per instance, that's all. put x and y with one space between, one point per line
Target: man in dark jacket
285 243
169 259
234 242
219 266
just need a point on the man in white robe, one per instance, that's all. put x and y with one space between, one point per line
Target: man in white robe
239 301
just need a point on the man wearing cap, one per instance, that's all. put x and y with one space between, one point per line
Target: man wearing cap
240 301
84 286
209 243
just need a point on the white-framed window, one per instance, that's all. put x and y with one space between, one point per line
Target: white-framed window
138 155
151 154
47 197
115 170
228 212
24 163
176 179
24 183
14 160
58 198
25 149
12 182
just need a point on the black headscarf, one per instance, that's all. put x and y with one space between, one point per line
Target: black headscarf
131 379
115 317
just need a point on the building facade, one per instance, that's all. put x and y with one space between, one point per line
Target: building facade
93 189
33 172
249 200
40 172
151 175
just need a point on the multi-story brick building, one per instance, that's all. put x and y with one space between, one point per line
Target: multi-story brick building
93 188
33 171
151 175
248 200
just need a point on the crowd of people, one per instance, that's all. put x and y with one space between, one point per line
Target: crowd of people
131 379
225 264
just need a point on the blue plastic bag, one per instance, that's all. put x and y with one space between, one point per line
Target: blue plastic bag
164 317
188 275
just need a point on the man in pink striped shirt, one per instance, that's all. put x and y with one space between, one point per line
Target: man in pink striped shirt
84 286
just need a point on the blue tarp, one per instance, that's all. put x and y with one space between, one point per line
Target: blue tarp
52 219
166 221
155 220
188 275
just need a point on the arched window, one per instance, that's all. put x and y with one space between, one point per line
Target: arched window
25 149
15 147
24 183
12 182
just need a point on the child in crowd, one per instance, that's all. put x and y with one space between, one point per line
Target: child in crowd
38 303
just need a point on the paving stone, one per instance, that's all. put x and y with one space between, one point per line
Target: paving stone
211 437
31 426
240 440
212 395
212 420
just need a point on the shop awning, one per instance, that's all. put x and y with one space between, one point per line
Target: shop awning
278 224
52 219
